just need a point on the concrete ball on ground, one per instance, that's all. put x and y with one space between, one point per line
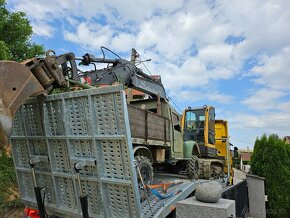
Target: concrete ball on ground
209 192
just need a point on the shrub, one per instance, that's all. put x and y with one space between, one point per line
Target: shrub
271 160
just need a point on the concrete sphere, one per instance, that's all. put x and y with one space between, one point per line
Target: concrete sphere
209 192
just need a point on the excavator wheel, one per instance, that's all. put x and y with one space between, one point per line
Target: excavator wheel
192 168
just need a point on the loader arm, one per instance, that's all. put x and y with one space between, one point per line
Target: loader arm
124 72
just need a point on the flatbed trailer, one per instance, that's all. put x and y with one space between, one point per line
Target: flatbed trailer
163 207
87 130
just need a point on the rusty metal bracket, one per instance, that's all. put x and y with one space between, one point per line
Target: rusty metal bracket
17 83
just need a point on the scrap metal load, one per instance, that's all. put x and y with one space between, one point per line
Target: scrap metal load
39 76
19 81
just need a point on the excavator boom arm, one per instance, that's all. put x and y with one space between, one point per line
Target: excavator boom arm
125 72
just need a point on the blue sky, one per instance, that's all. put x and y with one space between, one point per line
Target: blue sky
234 55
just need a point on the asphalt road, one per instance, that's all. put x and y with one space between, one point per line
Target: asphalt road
239 176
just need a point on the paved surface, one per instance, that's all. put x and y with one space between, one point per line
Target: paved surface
239 176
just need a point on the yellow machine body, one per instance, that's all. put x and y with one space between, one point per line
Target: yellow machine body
223 145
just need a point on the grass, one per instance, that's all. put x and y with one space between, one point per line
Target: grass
9 194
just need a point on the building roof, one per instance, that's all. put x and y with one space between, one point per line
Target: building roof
246 155
245 150
287 139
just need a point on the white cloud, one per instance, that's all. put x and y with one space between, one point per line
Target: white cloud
127 10
216 54
274 71
170 30
263 99
219 97
190 96
43 29
244 128
263 23
90 36
248 121
186 41
122 42
283 106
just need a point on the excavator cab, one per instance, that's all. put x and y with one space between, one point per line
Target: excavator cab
194 125
198 126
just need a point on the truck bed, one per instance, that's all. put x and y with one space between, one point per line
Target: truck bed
148 126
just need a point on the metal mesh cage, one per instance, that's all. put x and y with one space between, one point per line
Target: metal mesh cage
89 126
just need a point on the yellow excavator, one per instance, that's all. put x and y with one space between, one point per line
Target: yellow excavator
210 140
198 126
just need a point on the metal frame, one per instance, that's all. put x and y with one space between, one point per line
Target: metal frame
90 127
162 208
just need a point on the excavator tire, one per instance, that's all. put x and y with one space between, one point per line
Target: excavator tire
192 168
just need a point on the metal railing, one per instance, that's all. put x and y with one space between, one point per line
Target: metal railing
238 193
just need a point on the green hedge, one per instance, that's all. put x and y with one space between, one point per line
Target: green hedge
8 184
271 159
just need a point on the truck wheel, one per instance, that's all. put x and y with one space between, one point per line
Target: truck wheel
192 168
146 170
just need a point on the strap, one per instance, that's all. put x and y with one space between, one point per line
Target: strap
157 194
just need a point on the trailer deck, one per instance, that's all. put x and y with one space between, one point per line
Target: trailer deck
163 207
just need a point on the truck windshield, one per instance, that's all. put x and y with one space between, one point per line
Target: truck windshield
194 125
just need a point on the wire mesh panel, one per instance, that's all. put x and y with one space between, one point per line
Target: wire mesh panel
90 127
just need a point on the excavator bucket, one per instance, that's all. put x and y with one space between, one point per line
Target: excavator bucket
17 83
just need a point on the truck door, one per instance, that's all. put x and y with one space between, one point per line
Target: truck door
178 142
211 126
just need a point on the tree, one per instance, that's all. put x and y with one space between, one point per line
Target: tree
271 160
15 37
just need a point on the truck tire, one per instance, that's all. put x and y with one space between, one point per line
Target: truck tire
192 168
146 169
